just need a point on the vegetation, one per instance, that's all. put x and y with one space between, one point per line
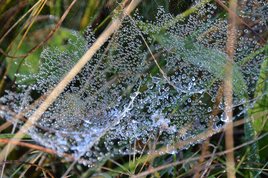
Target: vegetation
133 88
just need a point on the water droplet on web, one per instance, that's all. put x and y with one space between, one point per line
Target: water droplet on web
224 118
216 127
189 100
183 76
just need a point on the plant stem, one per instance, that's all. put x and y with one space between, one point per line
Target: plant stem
228 88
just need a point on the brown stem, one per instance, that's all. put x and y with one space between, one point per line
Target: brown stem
228 88
205 145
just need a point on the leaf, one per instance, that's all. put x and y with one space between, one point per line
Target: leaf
30 65
101 175
211 60
12 135
259 112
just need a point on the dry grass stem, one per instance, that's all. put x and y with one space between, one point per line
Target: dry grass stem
28 145
5 126
46 172
148 172
18 21
228 88
51 33
205 145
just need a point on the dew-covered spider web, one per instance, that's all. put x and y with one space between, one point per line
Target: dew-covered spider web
159 78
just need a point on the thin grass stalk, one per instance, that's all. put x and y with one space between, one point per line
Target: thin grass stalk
29 24
205 146
18 21
228 88
3 166
5 126
45 171
33 161
225 152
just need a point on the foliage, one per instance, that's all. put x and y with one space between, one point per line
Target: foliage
154 84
